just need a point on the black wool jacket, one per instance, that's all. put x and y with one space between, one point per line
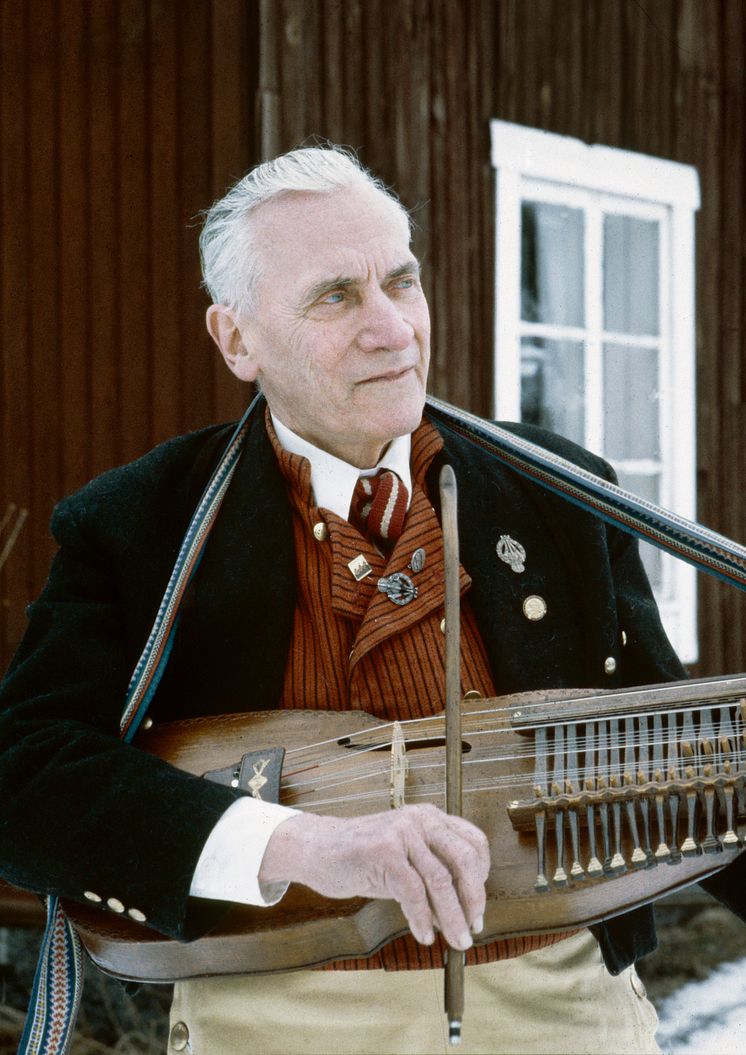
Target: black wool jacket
80 811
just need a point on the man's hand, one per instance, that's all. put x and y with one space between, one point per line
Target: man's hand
433 864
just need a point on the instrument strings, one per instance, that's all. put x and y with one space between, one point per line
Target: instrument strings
312 771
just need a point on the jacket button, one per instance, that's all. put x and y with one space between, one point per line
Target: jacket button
96 898
179 1036
136 915
473 694
320 531
624 638
115 904
534 608
610 665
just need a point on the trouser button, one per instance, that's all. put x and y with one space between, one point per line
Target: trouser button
179 1037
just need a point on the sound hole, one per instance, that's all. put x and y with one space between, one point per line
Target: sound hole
411 745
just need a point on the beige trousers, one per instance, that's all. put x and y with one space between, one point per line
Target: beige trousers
558 1000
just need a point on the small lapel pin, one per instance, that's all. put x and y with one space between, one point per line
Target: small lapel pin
359 567
512 553
417 560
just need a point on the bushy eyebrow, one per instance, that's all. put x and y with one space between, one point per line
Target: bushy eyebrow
327 285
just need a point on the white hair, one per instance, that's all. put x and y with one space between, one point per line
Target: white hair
230 260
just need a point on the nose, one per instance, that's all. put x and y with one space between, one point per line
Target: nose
383 325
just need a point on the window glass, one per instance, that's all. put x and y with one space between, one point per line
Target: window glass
552 386
552 266
630 275
631 402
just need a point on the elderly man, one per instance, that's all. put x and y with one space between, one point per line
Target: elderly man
317 298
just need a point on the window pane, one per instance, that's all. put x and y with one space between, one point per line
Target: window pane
646 487
552 388
631 275
552 264
631 419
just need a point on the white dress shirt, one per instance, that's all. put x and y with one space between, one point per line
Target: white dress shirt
228 867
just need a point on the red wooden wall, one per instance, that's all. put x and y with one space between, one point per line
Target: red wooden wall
120 119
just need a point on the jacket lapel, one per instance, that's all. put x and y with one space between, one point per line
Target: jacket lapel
237 619
526 653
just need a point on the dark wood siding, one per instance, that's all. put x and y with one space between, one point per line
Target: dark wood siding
120 119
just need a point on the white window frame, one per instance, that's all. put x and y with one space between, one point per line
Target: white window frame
535 165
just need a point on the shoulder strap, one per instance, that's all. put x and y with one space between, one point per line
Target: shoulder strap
686 539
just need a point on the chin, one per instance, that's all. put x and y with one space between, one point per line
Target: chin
400 425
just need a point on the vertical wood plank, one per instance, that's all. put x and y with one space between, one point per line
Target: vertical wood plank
731 395
15 294
605 96
700 72
75 242
331 64
196 352
44 414
269 90
232 41
164 193
102 302
133 202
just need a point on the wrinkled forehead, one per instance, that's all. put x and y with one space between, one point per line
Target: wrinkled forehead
301 233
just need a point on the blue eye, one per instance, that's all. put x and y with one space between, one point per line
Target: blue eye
333 298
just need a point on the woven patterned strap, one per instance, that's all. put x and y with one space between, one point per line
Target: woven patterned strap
686 539
57 988
58 983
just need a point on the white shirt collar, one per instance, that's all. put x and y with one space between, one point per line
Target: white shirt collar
333 480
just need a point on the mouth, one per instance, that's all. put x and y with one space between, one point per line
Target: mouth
390 375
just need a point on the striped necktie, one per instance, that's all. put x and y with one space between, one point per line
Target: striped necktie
379 506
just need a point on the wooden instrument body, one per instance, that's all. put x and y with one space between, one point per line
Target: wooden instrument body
349 772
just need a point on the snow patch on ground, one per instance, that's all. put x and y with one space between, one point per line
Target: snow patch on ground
708 1017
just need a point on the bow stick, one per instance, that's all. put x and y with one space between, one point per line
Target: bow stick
454 972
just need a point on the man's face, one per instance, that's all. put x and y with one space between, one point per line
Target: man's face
340 340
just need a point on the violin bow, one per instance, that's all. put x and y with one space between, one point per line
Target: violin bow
454 968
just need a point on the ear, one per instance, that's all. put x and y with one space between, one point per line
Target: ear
223 327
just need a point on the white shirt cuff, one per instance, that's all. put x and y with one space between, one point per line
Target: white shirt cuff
228 867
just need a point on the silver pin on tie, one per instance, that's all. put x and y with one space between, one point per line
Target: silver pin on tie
511 553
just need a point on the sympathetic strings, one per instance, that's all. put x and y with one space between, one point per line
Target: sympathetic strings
630 752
